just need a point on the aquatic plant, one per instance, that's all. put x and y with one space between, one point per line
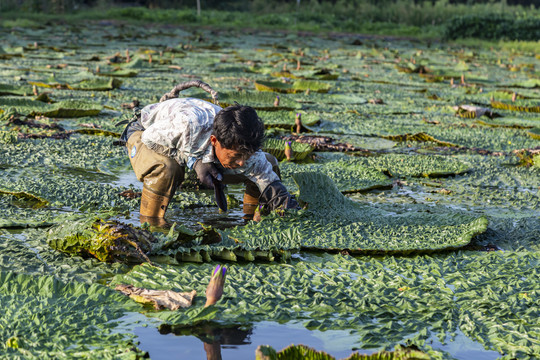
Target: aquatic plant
433 195
304 352
106 240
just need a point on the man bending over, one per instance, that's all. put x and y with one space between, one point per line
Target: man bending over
221 145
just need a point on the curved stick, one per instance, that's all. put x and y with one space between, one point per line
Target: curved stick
186 85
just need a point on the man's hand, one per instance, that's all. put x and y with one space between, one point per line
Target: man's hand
276 196
207 173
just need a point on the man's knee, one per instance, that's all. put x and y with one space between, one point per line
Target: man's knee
164 178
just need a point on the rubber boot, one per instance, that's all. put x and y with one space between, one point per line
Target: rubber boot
250 204
153 208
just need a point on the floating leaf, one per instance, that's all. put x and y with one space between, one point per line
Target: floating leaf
534 133
64 108
276 147
29 303
422 137
104 240
26 199
8 89
286 119
257 100
293 87
307 353
97 132
94 84
514 107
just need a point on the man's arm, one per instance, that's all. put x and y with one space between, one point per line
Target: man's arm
274 195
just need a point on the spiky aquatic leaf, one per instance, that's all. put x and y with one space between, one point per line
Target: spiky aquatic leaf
286 119
276 147
105 240
422 137
98 132
534 133
80 81
64 108
348 173
335 222
26 199
257 100
293 87
489 300
8 89
515 107
307 353
38 313
399 165
476 294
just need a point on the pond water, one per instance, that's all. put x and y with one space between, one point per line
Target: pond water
241 342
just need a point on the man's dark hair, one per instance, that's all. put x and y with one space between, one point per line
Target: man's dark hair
239 128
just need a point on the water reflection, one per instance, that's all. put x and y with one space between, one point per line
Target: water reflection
213 338
218 341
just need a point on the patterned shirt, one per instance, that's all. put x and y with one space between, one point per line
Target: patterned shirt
181 128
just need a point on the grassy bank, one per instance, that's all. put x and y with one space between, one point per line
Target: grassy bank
401 18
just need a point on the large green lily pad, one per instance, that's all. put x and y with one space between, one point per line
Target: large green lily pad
38 320
488 297
286 119
90 84
9 89
304 352
334 222
276 147
348 173
257 100
64 108
293 87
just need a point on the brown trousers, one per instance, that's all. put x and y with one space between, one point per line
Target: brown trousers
162 175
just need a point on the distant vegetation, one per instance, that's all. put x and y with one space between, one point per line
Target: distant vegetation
510 20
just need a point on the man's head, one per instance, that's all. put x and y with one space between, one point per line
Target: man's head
238 133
